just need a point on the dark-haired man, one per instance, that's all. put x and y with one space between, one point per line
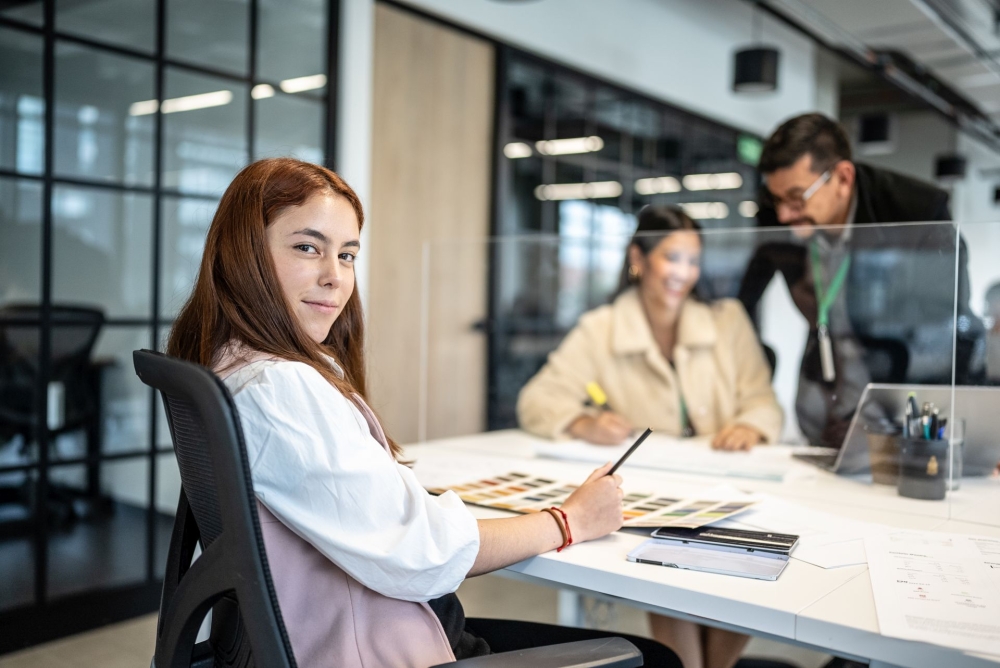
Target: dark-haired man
879 299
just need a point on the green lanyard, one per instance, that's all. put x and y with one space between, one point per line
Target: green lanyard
826 296
686 428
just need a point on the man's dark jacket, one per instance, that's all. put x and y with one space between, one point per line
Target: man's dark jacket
900 290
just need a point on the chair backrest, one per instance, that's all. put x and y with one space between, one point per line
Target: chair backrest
887 360
217 508
74 332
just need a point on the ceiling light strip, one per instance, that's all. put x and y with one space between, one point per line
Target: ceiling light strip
592 190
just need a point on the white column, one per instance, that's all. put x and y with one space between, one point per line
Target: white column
354 113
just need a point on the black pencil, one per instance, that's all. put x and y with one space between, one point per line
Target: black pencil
628 454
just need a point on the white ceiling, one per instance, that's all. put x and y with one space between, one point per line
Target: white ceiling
928 31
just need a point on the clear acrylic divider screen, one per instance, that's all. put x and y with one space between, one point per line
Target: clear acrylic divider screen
918 312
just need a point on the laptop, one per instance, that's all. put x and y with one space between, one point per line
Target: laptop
980 406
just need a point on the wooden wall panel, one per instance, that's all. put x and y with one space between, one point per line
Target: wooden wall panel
431 181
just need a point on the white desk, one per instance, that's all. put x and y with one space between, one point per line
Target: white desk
829 609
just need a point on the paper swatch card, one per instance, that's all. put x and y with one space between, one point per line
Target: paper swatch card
524 493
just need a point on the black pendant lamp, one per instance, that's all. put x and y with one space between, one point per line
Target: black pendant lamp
756 67
756 70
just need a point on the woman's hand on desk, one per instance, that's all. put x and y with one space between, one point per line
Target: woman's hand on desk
595 508
607 428
737 437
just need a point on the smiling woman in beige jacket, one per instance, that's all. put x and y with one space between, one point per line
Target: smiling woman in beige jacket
718 368
667 361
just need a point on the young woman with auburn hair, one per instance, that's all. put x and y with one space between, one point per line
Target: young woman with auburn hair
364 561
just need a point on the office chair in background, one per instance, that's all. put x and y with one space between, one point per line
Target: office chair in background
74 398
887 360
218 510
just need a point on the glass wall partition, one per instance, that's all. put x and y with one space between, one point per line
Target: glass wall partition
913 319
121 123
975 453
578 158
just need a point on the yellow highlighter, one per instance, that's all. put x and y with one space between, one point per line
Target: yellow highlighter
597 396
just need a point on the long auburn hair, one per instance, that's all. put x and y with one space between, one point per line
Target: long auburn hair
237 297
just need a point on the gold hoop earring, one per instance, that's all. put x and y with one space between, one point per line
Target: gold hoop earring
634 273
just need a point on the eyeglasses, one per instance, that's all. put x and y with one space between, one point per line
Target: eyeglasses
798 203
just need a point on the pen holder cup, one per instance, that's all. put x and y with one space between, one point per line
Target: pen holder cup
923 468
883 454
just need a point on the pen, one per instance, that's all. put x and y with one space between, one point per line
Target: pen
629 452
597 396
909 414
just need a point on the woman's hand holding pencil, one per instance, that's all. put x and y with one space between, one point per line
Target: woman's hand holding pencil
595 508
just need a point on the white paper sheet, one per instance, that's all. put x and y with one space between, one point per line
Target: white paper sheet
690 455
833 555
989 549
825 540
937 588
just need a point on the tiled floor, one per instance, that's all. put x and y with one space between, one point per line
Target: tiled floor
130 644
125 645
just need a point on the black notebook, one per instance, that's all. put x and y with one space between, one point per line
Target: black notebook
765 541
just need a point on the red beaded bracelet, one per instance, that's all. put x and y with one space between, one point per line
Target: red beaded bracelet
559 523
569 534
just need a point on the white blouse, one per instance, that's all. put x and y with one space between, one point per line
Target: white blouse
317 468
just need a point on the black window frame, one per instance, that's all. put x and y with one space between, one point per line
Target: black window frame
47 617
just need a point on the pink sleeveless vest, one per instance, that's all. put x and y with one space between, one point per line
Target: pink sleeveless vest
331 618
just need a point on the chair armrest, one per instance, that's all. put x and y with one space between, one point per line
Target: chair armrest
601 652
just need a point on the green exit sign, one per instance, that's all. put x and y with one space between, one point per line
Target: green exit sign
748 149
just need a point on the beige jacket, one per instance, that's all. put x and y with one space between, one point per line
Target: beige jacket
720 370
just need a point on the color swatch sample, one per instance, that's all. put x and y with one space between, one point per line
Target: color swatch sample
524 493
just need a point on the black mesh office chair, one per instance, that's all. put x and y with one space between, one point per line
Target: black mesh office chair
74 332
887 360
217 509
